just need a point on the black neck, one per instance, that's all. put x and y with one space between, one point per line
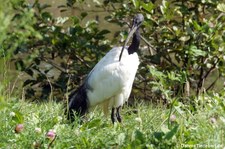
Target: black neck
135 42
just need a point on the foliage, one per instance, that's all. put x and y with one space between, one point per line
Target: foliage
146 129
16 26
63 56
184 42
185 38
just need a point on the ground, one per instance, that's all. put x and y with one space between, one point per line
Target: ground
43 125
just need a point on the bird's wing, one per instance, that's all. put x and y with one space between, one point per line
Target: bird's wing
104 79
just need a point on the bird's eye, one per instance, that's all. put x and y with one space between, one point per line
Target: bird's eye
136 21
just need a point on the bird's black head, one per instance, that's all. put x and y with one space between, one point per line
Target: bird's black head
138 19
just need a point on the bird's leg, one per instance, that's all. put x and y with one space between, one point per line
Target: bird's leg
119 118
113 115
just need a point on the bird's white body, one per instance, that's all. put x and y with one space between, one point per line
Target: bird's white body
110 81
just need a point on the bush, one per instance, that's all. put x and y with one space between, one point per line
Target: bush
185 46
16 26
185 43
64 55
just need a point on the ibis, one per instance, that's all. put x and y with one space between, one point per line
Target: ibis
109 83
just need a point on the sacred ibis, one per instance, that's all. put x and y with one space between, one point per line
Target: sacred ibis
110 82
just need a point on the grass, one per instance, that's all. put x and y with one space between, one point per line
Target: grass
145 126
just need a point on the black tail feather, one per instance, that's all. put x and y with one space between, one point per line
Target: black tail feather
78 103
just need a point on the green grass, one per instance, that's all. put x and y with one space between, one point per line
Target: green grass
145 126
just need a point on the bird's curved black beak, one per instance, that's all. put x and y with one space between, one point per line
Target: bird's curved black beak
133 29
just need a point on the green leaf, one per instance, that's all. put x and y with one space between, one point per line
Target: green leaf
165 129
158 135
46 15
92 124
197 26
136 3
3 104
184 38
194 51
148 6
221 7
155 59
166 9
174 76
29 71
121 138
156 73
171 133
20 65
139 136
103 32
75 20
83 15
27 82
18 118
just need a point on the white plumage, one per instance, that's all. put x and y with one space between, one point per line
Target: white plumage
110 82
